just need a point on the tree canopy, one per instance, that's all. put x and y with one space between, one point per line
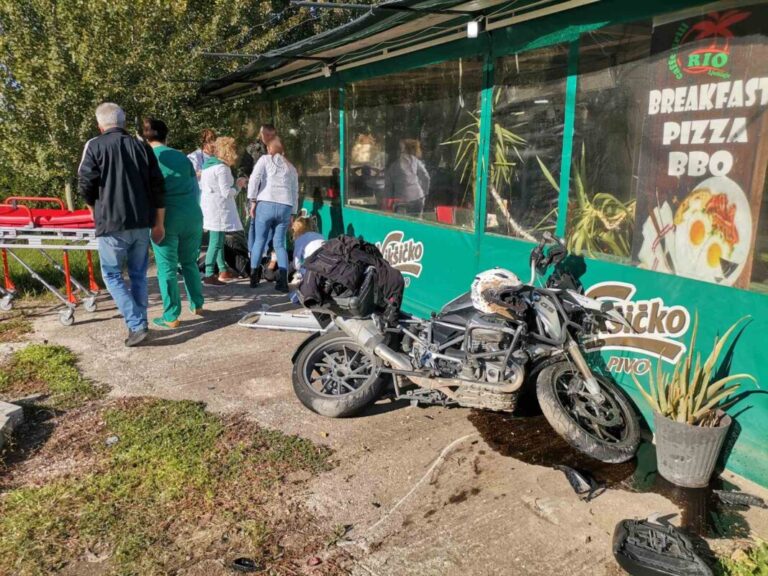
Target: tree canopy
59 60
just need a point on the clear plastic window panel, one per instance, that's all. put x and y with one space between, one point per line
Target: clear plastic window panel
309 128
412 142
526 142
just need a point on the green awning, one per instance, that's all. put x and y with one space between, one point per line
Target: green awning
377 35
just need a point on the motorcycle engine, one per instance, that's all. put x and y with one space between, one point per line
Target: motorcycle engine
484 333
487 334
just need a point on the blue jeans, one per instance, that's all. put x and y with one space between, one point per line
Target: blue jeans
252 236
273 218
127 248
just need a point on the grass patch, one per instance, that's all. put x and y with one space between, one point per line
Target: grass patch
50 370
752 562
179 486
27 286
13 327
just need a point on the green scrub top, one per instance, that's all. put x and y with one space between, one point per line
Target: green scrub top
182 193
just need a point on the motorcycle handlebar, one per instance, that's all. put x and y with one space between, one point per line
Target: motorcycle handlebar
549 238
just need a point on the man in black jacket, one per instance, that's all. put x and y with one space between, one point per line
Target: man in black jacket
121 182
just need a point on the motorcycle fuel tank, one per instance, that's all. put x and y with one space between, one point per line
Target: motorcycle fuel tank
550 319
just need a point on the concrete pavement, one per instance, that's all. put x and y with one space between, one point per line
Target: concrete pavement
420 489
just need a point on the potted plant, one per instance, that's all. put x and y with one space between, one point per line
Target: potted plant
689 416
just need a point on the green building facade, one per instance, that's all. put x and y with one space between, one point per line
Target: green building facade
635 130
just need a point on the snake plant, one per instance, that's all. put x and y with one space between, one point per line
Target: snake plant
691 393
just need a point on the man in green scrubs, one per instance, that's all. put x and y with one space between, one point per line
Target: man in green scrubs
183 228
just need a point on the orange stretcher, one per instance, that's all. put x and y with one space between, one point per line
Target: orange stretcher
24 225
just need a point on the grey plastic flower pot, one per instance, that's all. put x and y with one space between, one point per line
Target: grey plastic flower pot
686 455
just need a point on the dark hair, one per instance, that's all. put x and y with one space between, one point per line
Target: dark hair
269 128
155 130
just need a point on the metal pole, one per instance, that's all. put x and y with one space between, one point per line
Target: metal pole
372 7
91 277
68 278
264 56
9 285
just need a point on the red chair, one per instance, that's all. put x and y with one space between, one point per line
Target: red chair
446 214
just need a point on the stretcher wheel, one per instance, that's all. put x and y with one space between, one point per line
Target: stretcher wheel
6 303
67 317
90 304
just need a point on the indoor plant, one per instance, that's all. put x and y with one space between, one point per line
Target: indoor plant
505 144
688 409
598 222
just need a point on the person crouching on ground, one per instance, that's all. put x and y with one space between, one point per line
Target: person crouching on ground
306 240
183 228
273 191
121 182
217 198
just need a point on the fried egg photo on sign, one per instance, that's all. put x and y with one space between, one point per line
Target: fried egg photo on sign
713 229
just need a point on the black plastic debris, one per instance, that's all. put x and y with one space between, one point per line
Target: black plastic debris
582 483
736 499
245 565
645 548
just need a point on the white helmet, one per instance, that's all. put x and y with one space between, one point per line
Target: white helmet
488 285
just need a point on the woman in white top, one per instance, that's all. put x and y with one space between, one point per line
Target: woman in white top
273 190
217 199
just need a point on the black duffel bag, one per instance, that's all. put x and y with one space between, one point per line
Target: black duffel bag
350 275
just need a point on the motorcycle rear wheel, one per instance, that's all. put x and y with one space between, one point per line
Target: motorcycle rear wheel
609 432
336 377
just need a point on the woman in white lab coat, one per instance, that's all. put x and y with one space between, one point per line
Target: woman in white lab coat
217 199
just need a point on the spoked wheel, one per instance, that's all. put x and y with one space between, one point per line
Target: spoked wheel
606 429
336 377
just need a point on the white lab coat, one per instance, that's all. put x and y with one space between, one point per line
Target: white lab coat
217 199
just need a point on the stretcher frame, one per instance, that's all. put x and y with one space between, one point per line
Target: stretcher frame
281 321
285 317
43 240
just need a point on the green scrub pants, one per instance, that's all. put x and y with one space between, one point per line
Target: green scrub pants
180 247
215 252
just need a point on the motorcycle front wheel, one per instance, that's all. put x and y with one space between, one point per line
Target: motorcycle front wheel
608 431
336 377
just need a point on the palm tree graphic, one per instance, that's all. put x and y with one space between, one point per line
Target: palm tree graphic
717 26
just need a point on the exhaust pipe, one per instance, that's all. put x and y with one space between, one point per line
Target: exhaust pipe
368 336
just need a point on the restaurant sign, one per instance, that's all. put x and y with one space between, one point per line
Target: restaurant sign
702 165
712 59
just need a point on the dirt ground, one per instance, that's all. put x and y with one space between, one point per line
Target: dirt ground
420 489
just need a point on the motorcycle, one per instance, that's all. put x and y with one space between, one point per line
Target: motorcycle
480 355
